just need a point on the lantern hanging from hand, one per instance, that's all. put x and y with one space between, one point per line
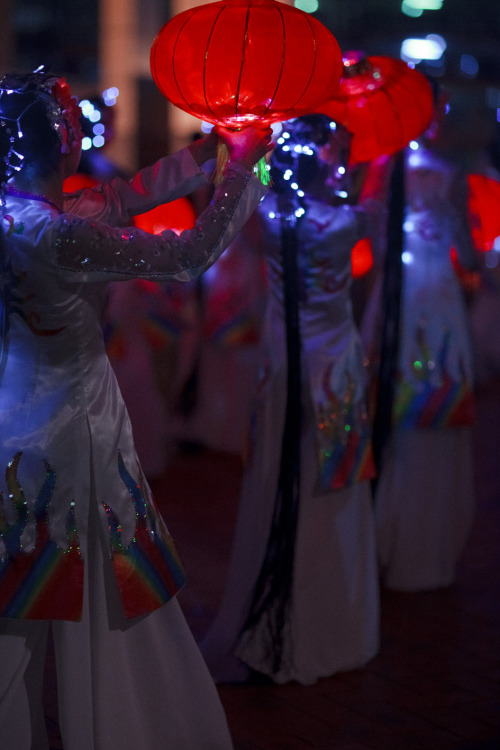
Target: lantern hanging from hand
384 103
235 62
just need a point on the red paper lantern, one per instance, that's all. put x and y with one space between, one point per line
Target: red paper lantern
484 210
177 215
78 181
361 258
237 61
382 102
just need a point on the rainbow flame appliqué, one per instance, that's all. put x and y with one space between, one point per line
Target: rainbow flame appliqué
345 453
45 582
148 570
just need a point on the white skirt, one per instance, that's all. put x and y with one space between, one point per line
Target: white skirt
122 684
334 621
424 507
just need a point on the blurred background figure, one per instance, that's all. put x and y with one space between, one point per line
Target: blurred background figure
424 498
213 410
197 343
484 308
202 342
301 598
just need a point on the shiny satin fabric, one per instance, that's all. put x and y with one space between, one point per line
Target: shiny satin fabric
66 438
334 376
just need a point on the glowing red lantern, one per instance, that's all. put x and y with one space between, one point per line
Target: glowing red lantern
78 181
177 215
237 61
484 210
361 258
382 102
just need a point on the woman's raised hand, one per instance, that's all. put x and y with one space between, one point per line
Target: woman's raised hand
249 145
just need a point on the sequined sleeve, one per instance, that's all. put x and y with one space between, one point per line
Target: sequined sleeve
87 251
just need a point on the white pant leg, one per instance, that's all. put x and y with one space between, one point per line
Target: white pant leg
23 646
135 684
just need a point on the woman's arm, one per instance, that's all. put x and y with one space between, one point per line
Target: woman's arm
116 203
84 251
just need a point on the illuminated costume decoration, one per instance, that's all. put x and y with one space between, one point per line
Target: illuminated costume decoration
328 621
79 533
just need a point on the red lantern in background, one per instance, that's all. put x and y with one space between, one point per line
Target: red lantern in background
78 181
177 215
237 61
382 102
484 210
361 258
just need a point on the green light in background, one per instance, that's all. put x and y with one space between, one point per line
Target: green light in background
415 8
308 6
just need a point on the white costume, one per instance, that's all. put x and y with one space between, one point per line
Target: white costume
425 494
333 622
81 540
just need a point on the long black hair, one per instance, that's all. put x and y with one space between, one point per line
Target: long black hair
295 153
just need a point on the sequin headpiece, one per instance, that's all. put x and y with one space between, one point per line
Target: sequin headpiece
63 113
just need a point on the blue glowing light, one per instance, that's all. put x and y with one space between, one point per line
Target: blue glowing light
110 96
415 50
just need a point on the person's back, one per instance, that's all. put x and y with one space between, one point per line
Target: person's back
301 599
423 517
83 550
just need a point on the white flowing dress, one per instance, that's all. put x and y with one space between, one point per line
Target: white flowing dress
425 497
334 612
82 545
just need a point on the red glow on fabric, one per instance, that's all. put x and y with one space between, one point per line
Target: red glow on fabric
384 103
470 280
177 215
237 61
484 210
361 258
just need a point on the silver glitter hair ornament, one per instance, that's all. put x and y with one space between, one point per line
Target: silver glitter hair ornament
63 114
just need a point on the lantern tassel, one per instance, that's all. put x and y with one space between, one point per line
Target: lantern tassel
222 160
260 169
